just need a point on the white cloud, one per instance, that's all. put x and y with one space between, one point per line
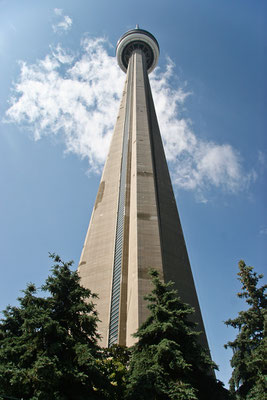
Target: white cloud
64 22
78 98
195 164
61 55
58 11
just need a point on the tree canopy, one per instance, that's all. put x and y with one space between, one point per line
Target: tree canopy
49 348
248 381
49 344
167 362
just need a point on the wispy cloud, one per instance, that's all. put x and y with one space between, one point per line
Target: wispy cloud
263 231
262 158
75 97
63 23
78 98
196 164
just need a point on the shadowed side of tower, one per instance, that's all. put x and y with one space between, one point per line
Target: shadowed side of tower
135 224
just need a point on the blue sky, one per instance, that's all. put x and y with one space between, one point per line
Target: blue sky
60 88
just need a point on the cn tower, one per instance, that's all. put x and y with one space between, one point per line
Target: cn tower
135 223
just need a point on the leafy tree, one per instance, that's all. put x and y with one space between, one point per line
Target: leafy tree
116 361
167 361
48 346
248 379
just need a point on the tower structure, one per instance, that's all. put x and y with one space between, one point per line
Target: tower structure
135 224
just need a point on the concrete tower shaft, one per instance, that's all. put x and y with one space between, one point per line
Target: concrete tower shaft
135 224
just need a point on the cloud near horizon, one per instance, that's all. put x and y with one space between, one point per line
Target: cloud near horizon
78 97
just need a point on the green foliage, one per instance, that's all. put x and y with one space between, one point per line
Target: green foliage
248 381
116 361
48 346
167 361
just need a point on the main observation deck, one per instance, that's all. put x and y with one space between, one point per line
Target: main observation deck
137 39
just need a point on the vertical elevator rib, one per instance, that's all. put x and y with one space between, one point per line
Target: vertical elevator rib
118 253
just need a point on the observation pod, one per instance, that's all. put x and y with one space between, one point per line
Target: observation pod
137 39
135 224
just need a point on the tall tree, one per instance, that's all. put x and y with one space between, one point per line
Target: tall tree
48 346
167 361
248 381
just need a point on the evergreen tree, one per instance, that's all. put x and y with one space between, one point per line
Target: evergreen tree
167 361
248 379
48 346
